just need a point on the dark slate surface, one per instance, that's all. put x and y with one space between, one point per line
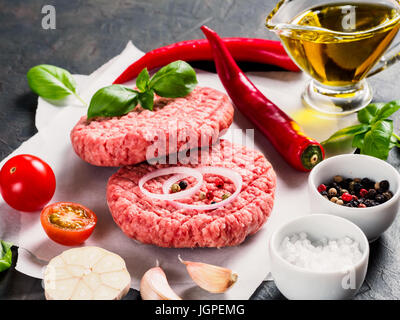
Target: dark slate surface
90 32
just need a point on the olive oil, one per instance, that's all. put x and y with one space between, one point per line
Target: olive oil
345 41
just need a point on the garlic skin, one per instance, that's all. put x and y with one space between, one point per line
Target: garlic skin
86 273
211 278
154 286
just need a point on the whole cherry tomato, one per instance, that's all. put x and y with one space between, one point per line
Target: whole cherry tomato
27 183
68 223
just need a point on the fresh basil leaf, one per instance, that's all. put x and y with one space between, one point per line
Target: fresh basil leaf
346 132
146 100
114 100
175 80
5 255
142 80
377 140
394 142
387 110
367 114
358 141
51 82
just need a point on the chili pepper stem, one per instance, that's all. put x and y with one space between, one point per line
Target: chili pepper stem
311 156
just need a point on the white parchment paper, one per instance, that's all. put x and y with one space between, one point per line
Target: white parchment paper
80 182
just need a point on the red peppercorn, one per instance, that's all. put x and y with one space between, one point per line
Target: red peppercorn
219 183
321 188
209 195
347 197
363 193
355 197
362 205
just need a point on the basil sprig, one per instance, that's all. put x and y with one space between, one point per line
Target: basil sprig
121 99
5 255
175 80
374 135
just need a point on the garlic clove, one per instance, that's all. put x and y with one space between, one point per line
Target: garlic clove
211 278
82 292
154 286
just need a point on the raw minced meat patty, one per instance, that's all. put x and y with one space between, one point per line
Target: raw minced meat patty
125 140
161 223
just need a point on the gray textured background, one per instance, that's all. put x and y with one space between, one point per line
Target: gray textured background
91 32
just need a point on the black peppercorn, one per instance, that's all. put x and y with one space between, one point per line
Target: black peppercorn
371 193
366 183
354 203
384 185
368 203
357 187
388 195
380 198
335 185
213 202
346 183
183 184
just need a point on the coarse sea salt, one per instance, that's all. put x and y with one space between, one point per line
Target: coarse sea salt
320 255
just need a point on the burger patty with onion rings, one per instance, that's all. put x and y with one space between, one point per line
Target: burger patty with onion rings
165 224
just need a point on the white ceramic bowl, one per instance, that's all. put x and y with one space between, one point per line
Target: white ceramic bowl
372 220
298 283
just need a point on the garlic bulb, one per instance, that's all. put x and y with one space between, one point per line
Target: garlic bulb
154 286
211 278
87 273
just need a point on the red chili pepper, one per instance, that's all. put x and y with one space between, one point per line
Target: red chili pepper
242 49
300 151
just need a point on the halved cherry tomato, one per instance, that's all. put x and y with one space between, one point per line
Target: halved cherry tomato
27 183
68 223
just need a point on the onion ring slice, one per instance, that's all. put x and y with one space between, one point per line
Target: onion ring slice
225 172
165 171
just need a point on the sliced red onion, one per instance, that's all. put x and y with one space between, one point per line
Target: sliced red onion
224 172
172 196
